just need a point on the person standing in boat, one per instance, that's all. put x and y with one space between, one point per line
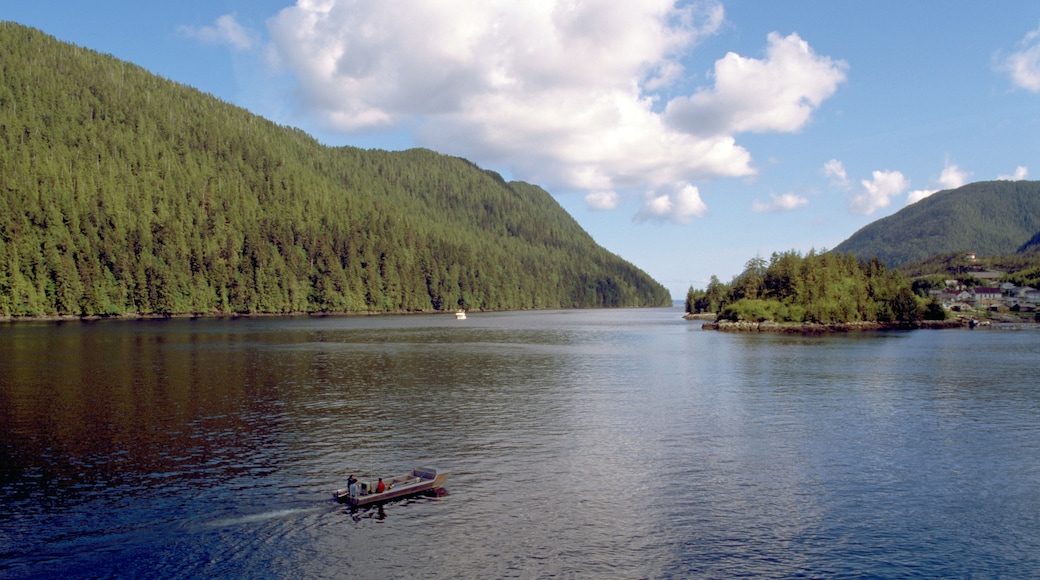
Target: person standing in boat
352 487
380 487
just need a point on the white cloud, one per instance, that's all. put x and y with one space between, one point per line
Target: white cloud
602 200
367 63
226 30
1020 173
785 202
950 178
836 171
561 92
775 94
679 208
878 192
1024 64
918 194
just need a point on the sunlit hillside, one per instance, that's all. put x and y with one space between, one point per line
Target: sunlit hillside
126 193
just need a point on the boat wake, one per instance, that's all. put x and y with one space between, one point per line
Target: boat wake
260 517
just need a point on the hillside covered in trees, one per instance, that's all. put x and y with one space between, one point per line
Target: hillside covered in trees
124 193
988 218
820 288
1021 269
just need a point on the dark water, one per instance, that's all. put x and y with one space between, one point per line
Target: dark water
619 444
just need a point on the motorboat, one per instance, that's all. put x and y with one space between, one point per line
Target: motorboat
416 481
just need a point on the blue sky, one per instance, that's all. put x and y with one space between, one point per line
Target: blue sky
686 137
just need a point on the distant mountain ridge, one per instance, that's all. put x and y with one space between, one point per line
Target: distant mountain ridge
988 218
125 193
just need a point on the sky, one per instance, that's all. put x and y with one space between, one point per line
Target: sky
686 137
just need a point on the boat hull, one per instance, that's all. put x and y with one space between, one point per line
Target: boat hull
417 481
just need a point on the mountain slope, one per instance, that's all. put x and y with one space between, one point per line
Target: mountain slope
126 193
1031 245
988 218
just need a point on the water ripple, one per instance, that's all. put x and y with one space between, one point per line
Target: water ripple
581 444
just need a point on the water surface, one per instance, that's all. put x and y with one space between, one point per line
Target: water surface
611 443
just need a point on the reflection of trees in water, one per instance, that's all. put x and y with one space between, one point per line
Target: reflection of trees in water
102 404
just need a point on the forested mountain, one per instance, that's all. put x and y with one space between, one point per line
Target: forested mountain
1031 245
124 193
989 218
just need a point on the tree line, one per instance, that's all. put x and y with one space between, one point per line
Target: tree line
820 288
126 193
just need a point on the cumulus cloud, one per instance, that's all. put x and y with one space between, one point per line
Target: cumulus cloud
835 170
602 200
951 178
1020 173
226 30
679 207
777 203
778 93
878 192
919 194
367 63
1023 65
561 92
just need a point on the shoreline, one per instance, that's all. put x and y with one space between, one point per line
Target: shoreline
316 314
208 315
846 327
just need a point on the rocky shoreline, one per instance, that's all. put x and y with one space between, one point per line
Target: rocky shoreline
844 327
815 328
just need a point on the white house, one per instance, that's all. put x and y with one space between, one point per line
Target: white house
986 295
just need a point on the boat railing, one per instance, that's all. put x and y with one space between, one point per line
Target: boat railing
424 473
368 488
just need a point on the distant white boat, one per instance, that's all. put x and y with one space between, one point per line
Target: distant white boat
460 315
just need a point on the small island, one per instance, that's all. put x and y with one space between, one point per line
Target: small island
832 292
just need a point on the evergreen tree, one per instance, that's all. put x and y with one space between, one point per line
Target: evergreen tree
817 288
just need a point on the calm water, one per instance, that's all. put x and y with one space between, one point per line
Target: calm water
619 444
